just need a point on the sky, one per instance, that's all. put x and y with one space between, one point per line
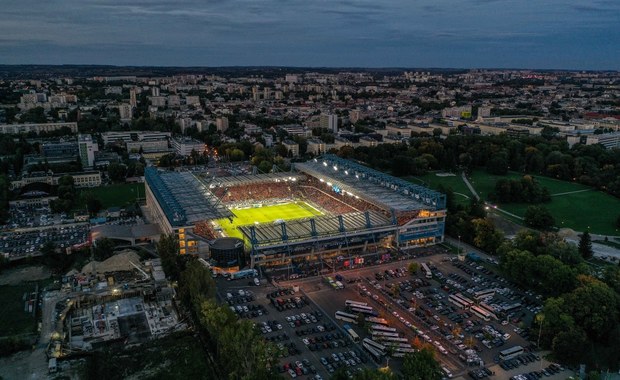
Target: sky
534 34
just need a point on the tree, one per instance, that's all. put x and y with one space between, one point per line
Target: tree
168 250
568 346
487 237
538 217
117 172
196 285
585 246
421 365
93 205
103 249
413 268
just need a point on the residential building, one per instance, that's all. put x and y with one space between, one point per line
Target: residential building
87 149
329 122
292 147
16 129
183 146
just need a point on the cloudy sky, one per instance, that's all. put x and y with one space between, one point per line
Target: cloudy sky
571 34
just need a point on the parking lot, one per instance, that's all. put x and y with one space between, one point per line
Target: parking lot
313 345
420 307
29 242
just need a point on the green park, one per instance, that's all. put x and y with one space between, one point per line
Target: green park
572 205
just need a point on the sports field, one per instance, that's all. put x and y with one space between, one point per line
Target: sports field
266 214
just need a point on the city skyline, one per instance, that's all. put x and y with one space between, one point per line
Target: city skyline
455 33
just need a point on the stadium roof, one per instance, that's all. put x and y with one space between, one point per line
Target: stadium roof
381 189
271 233
249 179
183 197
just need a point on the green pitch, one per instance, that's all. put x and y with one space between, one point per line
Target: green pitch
266 214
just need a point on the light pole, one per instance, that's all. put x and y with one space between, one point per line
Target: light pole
540 318
459 248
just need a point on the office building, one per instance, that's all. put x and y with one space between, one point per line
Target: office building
87 149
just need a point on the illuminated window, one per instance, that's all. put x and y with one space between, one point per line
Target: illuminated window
182 243
182 251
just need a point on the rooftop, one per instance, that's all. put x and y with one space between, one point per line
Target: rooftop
378 188
184 198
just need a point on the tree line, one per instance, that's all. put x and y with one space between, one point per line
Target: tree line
580 321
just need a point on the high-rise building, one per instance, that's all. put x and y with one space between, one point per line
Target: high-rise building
133 97
87 148
221 123
125 111
330 122
155 91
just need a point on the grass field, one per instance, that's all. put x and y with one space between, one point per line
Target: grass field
455 182
582 210
119 195
13 319
266 214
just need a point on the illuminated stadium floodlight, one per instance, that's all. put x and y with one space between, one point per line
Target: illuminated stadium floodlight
335 168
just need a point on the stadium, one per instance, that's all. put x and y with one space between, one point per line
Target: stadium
324 208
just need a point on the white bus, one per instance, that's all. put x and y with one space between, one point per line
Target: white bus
346 317
398 345
458 302
379 334
382 328
386 339
404 350
354 303
482 294
511 353
364 310
464 299
377 346
378 356
354 337
427 271
377 320
489 309
480 313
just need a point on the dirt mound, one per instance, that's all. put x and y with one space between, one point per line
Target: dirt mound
119 262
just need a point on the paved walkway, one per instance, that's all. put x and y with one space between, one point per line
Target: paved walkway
469 186
571 192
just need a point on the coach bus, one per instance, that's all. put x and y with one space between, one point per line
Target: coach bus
386 339
386 334
398 345
511 353
427 271
377 320
346 317
382 328
354 337
511 308
464 299
363 310
489 309
354 303
376 355
376 345
482 294
403 350
457 301
480 313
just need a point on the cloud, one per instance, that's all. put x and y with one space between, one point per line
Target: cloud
301 32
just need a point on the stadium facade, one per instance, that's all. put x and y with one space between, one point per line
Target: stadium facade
361 209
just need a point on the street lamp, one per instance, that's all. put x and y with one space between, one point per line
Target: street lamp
459 248
540 318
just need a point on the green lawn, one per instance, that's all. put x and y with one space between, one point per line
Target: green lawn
13 319
119 195
266 214
455 182
593 210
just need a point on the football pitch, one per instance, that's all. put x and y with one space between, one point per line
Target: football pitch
266 214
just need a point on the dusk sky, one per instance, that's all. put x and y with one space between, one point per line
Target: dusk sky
546 34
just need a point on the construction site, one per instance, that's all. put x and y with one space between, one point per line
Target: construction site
119 300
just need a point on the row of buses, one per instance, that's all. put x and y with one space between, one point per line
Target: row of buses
483 311
384 340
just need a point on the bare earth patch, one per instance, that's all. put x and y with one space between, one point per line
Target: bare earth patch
18 275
